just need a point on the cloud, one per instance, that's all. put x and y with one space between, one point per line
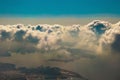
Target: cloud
43 37
92 49
110 39
99 27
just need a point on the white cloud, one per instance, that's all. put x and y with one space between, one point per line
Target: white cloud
110 39
94 36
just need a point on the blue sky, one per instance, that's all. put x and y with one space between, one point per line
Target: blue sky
58 7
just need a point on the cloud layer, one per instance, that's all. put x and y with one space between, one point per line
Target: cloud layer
97 34
92 49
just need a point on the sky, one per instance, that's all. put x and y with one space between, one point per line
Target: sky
58 8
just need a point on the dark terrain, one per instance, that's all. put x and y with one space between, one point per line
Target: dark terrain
10 72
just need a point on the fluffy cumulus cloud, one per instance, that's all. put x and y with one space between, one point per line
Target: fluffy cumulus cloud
110 39
32 38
